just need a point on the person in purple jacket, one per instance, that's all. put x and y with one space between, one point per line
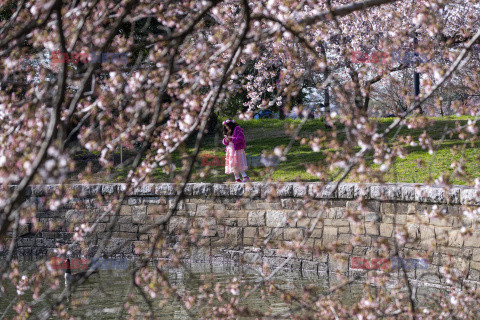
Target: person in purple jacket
235 159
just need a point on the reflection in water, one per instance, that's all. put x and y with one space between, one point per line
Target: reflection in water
102 296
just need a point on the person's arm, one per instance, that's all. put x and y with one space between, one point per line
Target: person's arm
226 141
239 138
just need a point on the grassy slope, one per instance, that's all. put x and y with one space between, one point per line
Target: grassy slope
267 134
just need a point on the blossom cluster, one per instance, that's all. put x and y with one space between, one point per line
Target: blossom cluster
93 57
385 57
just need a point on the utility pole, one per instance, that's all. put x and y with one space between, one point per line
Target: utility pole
416 75
326 105
327 100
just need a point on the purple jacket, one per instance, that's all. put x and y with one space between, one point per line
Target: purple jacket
238 139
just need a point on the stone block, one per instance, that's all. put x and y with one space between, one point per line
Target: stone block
233 236
242 222
140 247
397 219
128 228
198 200
347 191
441 236
336 213
190 206
444 221
344 238
430 194
268 190
470 196
427 237
407 193
256 218
314 213
285 190
357 227
247 242
276 234
413 231
154 200
329 235
165 189
156 218
453 195
178 224
475 265
336 222
303 222
219 207
249 232
155 209
299 190
90 190
385 192
180 205
338 263
134 201
275 219
309 265
145 189
473 275
250 205
139 214
473 240
293 234
253 190
372 217
237 189
372 229
188 190
109 189
395 208
386 230
319 191
125 210
455 239
287 203
334 203
221 190
124 236
271 263
202 189
344 229
429 275
204 210
269 205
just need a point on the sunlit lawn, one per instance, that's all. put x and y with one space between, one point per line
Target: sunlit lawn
265 135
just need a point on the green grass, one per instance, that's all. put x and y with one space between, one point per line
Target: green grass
265 135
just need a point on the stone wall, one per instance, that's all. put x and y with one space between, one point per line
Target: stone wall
234 221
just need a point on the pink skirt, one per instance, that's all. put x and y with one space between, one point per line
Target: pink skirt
235 160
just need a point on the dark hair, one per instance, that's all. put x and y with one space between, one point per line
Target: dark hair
228 128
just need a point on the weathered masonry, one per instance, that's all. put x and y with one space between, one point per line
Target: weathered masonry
236 219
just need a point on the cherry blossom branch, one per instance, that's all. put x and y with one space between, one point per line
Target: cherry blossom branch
211 103
344 10
89 72
82 25
37 23
448 74
13 17
50 134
